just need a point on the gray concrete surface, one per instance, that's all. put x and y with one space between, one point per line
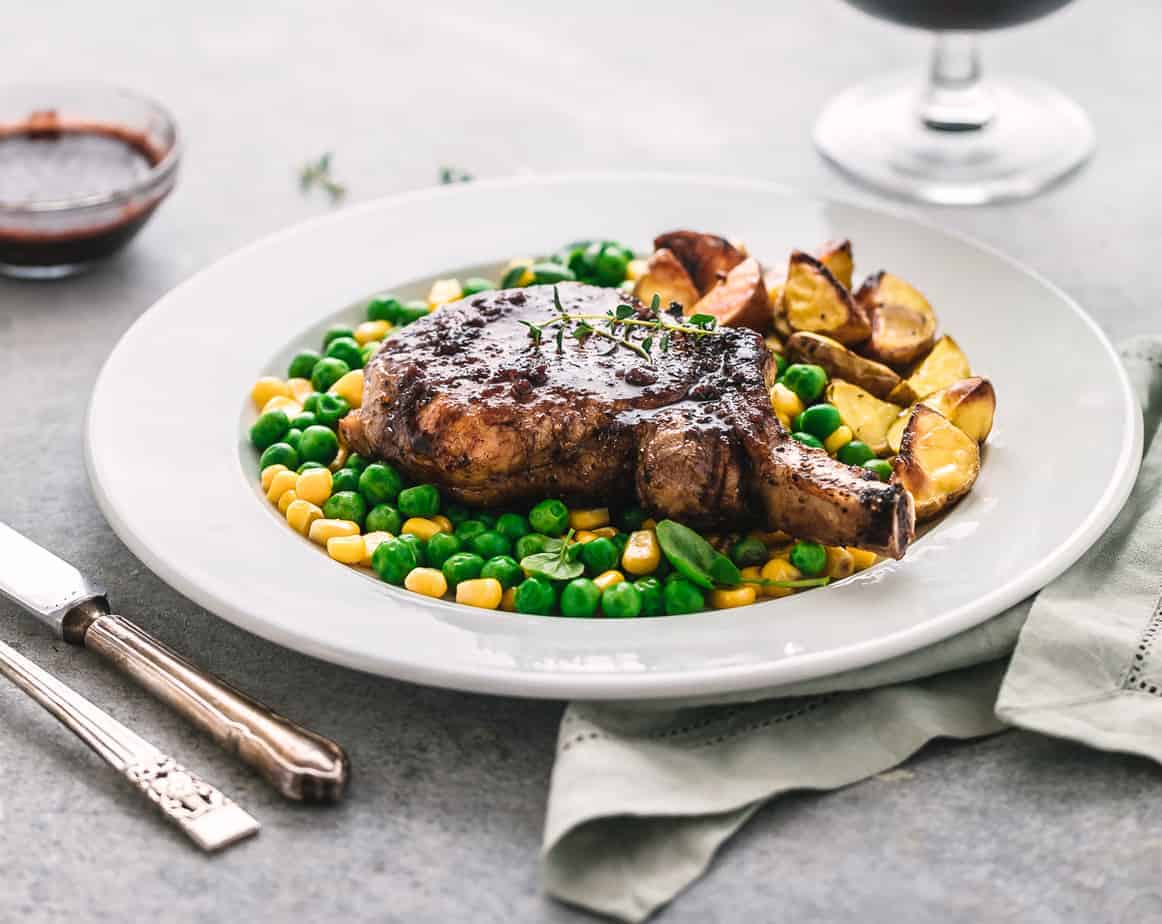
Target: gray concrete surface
444 819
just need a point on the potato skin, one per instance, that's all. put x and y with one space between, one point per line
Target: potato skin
740 300
841 363
666 277
937 464
814 300
903 324
837 257
707 257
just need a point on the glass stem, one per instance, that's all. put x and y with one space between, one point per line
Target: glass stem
955 100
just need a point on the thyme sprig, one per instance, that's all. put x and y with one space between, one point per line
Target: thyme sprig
619 324
318 173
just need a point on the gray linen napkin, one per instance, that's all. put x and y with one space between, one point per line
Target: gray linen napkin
642 795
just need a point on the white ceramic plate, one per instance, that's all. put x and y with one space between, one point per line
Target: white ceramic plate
172 470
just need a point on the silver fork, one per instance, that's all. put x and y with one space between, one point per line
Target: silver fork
207 817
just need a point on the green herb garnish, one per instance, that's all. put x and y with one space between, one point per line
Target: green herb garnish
318 173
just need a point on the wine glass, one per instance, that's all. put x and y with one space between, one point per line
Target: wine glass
959 139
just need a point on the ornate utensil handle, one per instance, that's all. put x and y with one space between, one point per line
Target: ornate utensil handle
300 764
207 817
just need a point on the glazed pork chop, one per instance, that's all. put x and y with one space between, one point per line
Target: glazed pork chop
466 400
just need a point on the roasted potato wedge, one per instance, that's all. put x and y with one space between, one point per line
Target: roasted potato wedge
707 257
937 464
814 300
903 324
740 300
836 256
945 364
969 404
868 416
666 277
841 363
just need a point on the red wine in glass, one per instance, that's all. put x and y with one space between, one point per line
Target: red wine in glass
955 139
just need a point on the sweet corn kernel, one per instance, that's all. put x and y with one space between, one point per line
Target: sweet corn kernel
642 553
350 388
269 387
340 458
508 601
301 389
287 498
775 284
427 581
280 484
485 593
589 519
288 406
636 269
605 532
301 514
314 485
608 578
785 403
839 438
421 527
444 291
371 542
322 530
779 569
724 599
526 277
269 472
840 563
584 536
369 331
650 523
751 573
861 559
346 549
443 522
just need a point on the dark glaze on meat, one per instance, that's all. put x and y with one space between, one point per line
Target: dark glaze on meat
465 400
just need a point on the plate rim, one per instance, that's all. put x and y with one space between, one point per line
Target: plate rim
660 684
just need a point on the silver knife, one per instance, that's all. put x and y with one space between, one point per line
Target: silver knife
300 764
206 816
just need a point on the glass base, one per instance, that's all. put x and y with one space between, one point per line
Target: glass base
874 133
45 273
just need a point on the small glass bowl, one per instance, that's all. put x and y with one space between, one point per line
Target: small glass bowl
53 238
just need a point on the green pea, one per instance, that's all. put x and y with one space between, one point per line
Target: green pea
855 453
307 466
535 596
462 566
269 429
579 598
327 372
302 365
344 480
331 409
881 468
512 526
807 440
384 308
421 501
631 518
337 332
368 351
806 380
312 402
345 505
474 285
418 546
505 569
346 349
551 274
820 420
490 544
380 484
610 266
488 519
550 517
808 557
457 513
466 530
599 555
303 420
279 454
412 311
531 544
355 462
780 364
319 444
393 560
650 590
749 551
441 547
621 540
293 438
383 518
621 601
679 597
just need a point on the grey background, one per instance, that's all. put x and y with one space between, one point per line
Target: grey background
444 819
